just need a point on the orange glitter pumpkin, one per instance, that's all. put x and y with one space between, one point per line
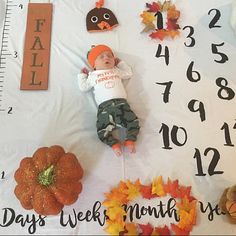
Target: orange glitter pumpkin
48 180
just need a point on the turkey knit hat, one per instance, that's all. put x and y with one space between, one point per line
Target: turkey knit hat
95 52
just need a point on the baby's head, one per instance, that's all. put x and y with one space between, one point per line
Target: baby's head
101 57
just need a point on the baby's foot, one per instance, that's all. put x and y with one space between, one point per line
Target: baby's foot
130 145
117 149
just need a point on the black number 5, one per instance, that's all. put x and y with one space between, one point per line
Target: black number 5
223 56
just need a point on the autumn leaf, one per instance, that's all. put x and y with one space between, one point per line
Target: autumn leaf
172 187
157 187
131 229
163 231
147 17
166 6
146 229
115 213
148 27
116 194
115 227
173 33
187 213
154 7
146 192
179 231
133 189
187 219
185 192
111 203
122 186
172 13
172 24
155 233
159 34
186 205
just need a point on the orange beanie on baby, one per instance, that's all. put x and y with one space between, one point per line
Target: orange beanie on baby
95 52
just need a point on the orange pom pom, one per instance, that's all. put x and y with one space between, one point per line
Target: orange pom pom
231 208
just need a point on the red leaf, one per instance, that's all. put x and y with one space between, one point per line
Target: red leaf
146 229
179 231
159 34
185 192
154 7
146 192
164 231
172 188
172 24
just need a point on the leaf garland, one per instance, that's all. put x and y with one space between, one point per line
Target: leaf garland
127 191
149 17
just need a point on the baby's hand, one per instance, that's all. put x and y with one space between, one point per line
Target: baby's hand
85 71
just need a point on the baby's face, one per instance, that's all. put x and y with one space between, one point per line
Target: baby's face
105 61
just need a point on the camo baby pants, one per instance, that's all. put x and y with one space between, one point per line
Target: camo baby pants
116 113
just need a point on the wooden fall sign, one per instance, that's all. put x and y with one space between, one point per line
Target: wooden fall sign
35 71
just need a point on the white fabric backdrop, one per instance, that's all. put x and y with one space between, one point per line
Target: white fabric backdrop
65 116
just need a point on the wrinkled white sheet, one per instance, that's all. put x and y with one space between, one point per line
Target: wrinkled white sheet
63 115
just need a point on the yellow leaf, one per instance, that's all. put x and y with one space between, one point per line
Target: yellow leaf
131 228
157 187
115 213
115 227
148 17
111 203
133 189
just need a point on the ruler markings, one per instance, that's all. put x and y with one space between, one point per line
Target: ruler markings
4 45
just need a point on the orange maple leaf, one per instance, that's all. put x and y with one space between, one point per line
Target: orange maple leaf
187 213
187 220
131 229
159 34
179 231
172 13
116 194
172 187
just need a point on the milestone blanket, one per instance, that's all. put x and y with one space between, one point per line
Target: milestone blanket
182 90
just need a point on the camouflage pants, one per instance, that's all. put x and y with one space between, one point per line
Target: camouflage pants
116 113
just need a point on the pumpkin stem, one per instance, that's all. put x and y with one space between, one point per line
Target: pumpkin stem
46 177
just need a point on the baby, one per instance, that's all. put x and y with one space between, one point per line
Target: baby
110 95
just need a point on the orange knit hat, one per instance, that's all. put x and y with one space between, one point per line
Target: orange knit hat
95 52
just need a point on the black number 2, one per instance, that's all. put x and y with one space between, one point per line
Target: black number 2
215 19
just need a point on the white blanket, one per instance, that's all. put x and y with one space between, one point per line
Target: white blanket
65 116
